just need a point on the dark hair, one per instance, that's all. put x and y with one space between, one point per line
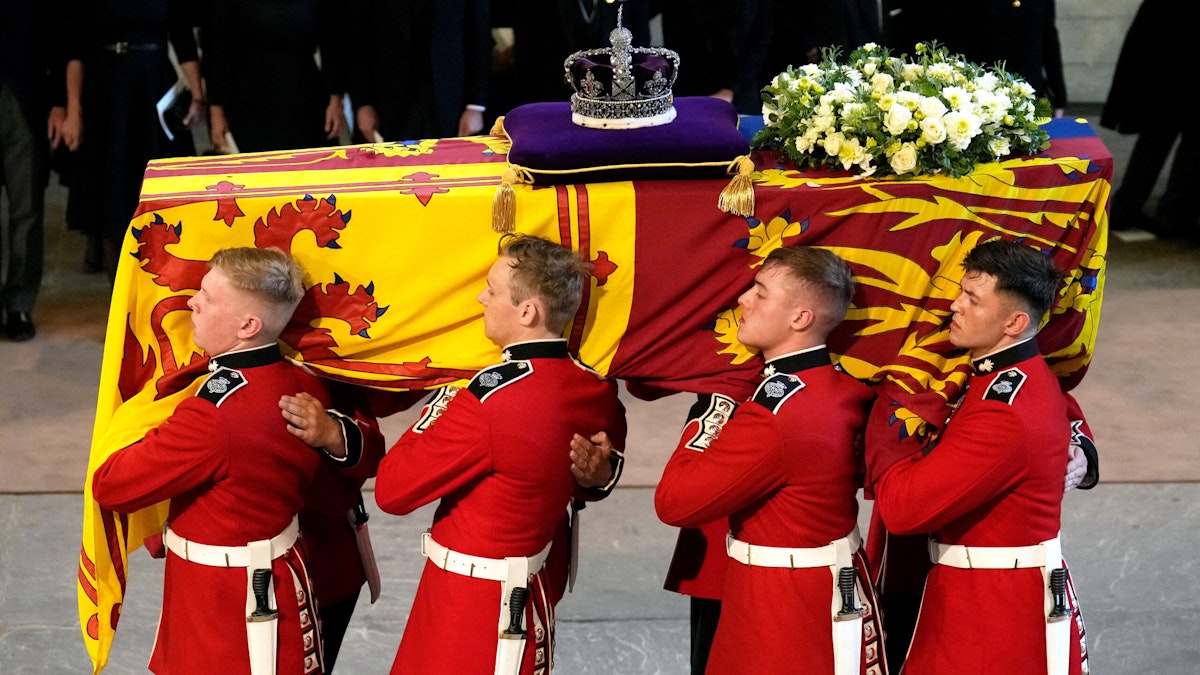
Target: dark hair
551 272
821 270
1021 272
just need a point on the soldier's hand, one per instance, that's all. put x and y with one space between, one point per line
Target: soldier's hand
1076 467
589 460
307 420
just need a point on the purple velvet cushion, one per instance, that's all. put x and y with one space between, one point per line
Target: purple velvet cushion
699 143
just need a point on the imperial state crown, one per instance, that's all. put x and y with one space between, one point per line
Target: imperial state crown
622 87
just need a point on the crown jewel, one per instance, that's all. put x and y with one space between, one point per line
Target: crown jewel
622 87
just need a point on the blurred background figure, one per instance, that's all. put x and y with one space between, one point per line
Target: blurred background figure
545 33
799 31
1155 40
31 80
420 68
721 45
266 87
123 46
1022 34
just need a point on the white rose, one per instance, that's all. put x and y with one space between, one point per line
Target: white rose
931 106
881 82
933 130
905 159
833 143
896 120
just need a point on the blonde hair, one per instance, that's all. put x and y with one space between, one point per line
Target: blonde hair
270 275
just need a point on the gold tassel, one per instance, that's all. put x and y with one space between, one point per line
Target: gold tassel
738 197
504 204
498 127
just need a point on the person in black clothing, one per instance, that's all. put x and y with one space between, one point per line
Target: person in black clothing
545 33
31 80
721 47
123 46
421 70
264 85
1155 40
1023 36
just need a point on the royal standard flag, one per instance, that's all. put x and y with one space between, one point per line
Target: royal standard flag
396 240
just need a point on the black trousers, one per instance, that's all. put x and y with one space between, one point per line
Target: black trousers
705 614
335 619
23 171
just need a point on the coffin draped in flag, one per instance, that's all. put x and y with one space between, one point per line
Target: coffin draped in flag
397 240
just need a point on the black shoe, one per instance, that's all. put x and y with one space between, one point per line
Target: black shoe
19 327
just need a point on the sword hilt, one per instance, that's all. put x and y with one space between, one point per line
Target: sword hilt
1058 589
846 579
516 613
260 582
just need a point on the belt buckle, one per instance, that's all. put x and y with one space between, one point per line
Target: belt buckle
121 48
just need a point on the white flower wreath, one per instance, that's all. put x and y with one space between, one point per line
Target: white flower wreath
882 115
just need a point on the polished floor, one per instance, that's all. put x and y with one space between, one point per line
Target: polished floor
1132 542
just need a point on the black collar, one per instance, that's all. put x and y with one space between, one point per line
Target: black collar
536 349
798 361
247 358
1009 356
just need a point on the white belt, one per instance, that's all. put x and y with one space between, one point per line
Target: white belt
228 556
830 555
261 635
511 572
990 557
495 569
1046 556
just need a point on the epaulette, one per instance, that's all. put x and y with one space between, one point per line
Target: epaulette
709 413
1006 385
220 385
434 408
494 378
776 389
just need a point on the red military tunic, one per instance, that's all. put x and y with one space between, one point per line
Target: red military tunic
785 471
994 479
497 455
234 475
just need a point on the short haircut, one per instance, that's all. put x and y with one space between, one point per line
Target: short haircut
822 271
1022 273
548 271
268 273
